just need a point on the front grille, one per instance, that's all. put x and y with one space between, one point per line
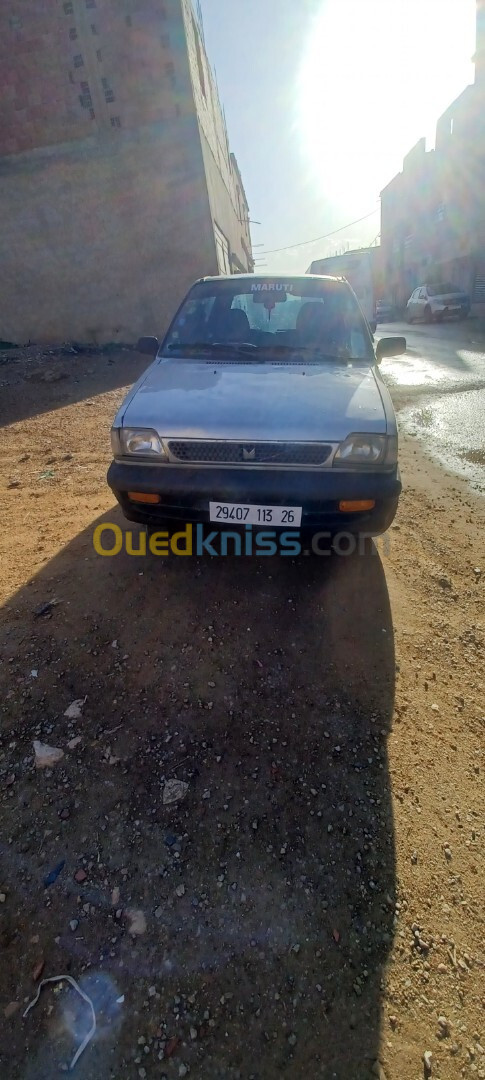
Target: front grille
248 453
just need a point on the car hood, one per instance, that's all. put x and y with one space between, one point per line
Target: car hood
252 400
444 298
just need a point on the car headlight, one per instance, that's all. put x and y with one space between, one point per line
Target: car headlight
143 442
366 450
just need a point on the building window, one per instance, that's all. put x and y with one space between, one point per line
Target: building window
128 20
108 92
90 3
15 22
177 110
165 41
116 121
92 114
78 61
169 68
99 55
94 28
85 98
163 13
68 9
73 33
222 249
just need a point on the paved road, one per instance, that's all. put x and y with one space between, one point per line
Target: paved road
439 388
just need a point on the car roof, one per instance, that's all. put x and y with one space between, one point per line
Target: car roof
271 277
426 284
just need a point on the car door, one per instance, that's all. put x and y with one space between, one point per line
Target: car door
412 308
421 301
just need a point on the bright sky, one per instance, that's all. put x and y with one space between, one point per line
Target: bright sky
323 98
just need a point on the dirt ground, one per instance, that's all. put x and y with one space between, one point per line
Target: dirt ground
313 906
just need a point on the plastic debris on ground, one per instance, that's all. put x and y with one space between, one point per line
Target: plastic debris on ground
75 985
54 874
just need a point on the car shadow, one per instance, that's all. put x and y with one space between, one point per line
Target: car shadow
267 686
34 382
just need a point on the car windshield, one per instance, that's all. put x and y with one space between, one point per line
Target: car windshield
442 288
261 318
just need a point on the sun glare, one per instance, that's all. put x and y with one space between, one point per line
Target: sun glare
375 76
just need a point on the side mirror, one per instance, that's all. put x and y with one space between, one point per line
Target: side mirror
148 346
390 346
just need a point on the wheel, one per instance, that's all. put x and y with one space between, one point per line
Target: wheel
427 314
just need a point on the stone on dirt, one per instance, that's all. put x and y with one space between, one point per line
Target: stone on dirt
11 1009
73 711
46 756
138 923
174 791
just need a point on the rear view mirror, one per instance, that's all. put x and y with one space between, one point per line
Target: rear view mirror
390 346
270 295
148 346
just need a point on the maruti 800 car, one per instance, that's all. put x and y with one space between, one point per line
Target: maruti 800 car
264 405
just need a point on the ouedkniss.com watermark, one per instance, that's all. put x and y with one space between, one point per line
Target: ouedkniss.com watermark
110 540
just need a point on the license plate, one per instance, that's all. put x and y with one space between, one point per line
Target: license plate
248 514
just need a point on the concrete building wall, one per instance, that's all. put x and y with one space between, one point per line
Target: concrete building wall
226 193
72 68
480 48
110 199
433 212
100 242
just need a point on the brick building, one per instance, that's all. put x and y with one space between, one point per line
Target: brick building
433 212
117 184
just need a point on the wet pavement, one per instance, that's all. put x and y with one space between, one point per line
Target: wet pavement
439 392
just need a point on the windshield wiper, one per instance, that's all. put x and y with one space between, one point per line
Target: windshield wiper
258 352
307 351
213 346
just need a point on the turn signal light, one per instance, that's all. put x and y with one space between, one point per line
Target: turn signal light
143 497
349 506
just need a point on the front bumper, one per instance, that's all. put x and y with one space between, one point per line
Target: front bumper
185 493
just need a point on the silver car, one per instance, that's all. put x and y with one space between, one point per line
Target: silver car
264 406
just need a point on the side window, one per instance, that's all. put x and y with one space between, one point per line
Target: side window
192 321
422 294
